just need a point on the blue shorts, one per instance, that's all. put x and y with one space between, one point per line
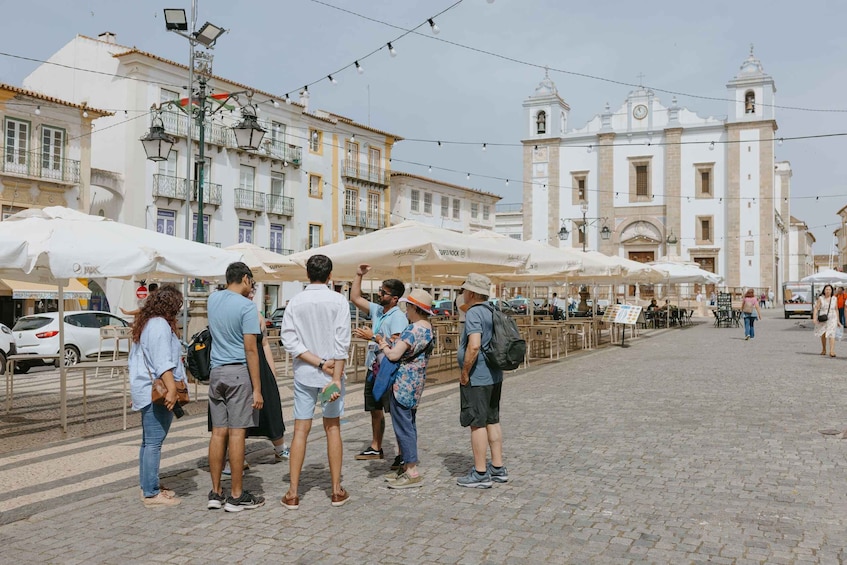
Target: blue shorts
305 398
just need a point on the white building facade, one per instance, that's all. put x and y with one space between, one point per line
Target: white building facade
663 180
287 196
444 205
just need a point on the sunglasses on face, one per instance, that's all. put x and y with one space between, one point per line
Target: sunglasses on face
383 292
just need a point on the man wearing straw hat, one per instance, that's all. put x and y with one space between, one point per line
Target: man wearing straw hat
480 388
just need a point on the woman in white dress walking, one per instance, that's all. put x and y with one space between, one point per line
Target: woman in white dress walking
826 306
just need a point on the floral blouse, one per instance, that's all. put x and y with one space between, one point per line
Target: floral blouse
409 385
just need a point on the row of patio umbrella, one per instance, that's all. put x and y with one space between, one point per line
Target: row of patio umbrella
54 244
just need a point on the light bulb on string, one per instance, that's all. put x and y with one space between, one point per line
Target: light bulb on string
275 103
780 142
435 29
439 143
353 138
468 177
359 68
430 168
391 50
711 146
287 99
507 182
38 110
331 79
590 148
484 146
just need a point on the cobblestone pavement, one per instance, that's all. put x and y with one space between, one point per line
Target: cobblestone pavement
689 446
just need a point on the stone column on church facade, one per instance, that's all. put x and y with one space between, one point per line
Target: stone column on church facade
732 230
606 187
673 187
554 190
767 222
526 208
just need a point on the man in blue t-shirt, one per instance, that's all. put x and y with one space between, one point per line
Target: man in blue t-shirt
235 391
480 387
388 321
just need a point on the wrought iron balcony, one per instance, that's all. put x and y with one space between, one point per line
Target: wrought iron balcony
280 250
363 172
216 133
278 149
39 165
212 193
280 205
363 220
165 186
250 200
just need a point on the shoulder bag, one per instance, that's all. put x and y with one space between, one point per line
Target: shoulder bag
387 372
825 317
159 390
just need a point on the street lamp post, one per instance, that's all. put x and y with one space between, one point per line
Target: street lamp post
605 232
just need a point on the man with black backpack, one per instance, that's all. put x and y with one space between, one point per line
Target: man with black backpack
481 383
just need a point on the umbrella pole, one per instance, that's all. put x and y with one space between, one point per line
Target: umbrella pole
63 373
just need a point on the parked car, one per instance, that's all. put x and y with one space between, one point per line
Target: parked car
502 305
442 308
519 305
275 320
39 335
7 346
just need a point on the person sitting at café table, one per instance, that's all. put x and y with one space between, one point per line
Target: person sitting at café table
652 306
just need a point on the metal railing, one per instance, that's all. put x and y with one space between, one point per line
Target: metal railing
281 205
280 250
363 172
166 186
39 165
249 200
278 149
212 193
363 220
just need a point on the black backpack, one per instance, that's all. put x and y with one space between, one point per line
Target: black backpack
198 358
507 349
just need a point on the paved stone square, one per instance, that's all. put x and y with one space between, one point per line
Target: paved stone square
689 446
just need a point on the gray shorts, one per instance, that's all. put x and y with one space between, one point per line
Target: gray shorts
231 398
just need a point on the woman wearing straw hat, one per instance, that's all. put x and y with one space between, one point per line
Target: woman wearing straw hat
412 348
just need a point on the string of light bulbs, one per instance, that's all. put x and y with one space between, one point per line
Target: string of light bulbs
565 71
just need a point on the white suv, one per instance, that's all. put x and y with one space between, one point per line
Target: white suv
7 346
39 335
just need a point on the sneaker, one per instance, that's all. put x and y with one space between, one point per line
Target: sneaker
370 453
161 499
246 501
475 480
340 499
216 501
406 481
394 475
398 463
498 476
283 454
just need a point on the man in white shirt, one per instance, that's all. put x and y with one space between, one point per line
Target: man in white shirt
316 332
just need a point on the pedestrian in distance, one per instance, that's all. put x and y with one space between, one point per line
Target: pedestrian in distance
388 321
316 332
841 297
480 388
826 307
412 349
751 312
235 389
155 353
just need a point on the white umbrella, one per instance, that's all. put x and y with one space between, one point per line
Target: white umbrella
62 244
546 262
267 265
677 273
417 251
824 276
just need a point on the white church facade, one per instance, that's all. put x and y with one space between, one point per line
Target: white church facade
648 179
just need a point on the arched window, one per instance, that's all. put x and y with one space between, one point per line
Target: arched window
750 102
541 122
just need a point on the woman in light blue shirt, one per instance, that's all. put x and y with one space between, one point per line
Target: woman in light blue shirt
155 353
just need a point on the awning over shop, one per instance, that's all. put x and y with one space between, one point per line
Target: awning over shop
22 290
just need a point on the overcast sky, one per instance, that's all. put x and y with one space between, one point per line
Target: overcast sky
435 90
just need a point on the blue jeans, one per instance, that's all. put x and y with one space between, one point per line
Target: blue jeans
748 325
155 423
405 429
